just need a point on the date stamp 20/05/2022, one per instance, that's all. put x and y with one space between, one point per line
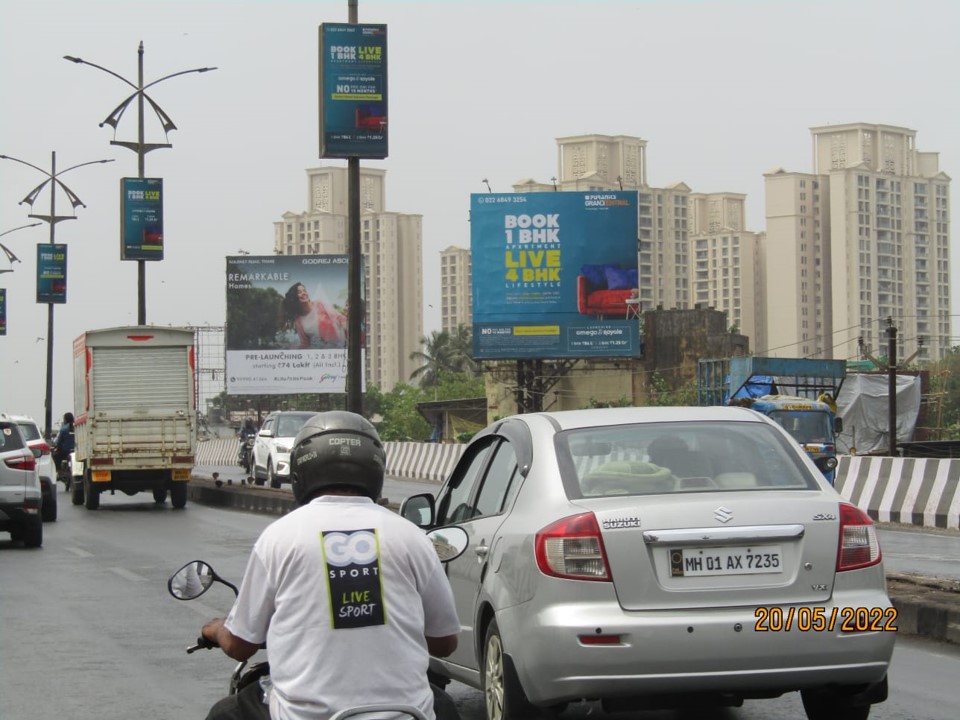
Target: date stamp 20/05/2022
822 619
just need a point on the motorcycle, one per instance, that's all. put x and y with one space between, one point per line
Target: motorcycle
197 576
245 454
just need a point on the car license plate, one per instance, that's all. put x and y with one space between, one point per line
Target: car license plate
700 562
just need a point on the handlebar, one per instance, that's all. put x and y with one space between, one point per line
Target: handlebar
202 644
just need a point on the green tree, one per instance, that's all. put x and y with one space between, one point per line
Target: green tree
401 421
435 358
945 388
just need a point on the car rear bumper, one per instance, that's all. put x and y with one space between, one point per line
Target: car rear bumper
687 651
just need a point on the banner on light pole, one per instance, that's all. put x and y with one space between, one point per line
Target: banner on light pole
353 91
141 219
51 273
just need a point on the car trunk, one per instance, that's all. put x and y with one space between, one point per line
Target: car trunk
720 549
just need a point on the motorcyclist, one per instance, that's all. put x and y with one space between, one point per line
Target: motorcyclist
247 430
65 442
349 598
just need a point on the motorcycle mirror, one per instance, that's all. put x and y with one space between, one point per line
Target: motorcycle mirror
449 542
193 580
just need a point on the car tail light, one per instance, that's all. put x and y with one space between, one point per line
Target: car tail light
24 462
44 448
573 548
859 546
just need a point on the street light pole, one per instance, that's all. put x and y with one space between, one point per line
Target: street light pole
52 219
141 148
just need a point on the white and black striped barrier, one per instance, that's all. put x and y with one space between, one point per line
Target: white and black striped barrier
914 491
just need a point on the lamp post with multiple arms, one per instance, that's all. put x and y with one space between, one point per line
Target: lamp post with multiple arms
53 178
140 147
7 251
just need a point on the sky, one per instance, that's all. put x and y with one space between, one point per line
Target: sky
721 90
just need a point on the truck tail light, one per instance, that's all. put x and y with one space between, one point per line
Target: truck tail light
859 546
573 548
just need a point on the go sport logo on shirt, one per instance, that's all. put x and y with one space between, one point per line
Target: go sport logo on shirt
352 559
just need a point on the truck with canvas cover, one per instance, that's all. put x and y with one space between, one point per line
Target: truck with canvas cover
797 393
135 409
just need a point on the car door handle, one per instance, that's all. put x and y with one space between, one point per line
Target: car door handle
481 551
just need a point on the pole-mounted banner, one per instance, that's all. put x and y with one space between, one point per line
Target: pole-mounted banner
141 219
353 91
51 273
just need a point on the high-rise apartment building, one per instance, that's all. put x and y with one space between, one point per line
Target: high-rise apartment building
392 249
863 238
726 264
456 289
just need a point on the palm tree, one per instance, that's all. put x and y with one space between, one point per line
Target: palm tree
437 357
462 344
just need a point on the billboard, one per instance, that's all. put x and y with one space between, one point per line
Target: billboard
51 273
287 324
353 91
3 311
141 219
554 275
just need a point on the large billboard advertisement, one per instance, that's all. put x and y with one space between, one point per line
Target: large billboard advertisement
141 219
554 275
287 324
353 91
51 273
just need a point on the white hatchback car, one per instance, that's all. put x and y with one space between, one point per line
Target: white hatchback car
271 450
658 557
45 466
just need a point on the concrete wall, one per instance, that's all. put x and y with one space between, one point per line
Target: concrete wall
914 491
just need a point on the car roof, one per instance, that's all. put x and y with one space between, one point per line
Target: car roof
593 417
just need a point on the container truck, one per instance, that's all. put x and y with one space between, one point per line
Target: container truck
135 409
797 393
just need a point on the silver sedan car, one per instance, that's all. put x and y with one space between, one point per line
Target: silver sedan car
659 557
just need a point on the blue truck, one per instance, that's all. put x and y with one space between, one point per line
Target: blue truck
797 393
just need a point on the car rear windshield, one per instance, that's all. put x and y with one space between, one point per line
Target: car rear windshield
10 437
289 425
30 431
664 458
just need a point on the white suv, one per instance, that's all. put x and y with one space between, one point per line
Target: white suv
19 486
45 465
271 450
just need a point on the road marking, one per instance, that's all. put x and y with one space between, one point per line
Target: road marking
79 553
124 573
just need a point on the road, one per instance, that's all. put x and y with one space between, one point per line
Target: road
88 631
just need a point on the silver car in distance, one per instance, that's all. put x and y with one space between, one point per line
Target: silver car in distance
658 557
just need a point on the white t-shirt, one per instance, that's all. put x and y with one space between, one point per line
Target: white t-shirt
344 592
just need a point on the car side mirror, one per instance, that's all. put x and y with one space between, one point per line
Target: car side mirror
265 433
419 509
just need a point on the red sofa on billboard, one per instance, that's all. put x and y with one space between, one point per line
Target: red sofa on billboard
603 290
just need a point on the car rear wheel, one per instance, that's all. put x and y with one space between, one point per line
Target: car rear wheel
32 533
48 510
91 495
503 696
823 706
178 494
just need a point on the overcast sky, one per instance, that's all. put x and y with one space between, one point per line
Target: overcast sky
722 91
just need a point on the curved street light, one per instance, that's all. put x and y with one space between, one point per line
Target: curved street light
140 147
7 251
53 179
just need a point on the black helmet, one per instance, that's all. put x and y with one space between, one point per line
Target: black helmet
337 449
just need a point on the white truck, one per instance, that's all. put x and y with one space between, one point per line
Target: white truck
135 409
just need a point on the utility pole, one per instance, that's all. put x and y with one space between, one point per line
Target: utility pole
892 386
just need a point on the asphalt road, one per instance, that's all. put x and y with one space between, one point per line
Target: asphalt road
87 630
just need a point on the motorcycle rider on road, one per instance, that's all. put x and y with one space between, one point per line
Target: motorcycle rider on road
247 430
349 598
